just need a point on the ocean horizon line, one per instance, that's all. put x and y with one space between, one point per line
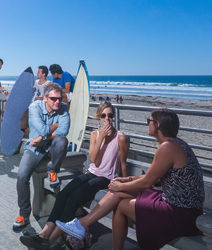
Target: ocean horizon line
122 75
189 86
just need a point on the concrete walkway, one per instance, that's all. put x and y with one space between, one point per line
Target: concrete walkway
9 212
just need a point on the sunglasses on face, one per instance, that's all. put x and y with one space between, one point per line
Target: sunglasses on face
150 120
54 99
110 115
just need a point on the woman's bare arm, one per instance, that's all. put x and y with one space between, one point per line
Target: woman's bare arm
124 148
163 160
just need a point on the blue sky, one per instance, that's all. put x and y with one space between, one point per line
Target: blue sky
115 37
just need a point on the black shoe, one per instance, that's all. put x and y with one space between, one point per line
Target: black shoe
35 241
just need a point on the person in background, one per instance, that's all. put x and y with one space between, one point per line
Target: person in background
107 99
121 99
100 98
117 98
4 92
65 80
160 215
108 153
40 83
1 63
49 123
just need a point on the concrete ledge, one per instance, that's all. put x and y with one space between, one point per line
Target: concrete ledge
204 222
208 193
44 196
189 243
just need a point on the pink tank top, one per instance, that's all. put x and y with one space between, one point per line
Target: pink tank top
108 159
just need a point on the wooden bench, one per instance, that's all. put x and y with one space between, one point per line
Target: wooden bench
44 199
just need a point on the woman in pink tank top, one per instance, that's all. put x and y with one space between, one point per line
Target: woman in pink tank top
108 153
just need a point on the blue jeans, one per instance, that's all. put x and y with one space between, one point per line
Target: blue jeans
28 164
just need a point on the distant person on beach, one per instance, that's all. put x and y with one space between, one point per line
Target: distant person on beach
65 80
100 99
121 99
160 215
40 83
49 123
93 97
107 99
4 92
107 152
117 98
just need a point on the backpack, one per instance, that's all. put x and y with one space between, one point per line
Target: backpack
72 243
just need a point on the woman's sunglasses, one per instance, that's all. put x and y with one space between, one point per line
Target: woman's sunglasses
54 99
150 120
110 115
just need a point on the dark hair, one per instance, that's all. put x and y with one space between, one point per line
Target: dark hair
1 61
52 86
169 121
101 107
55 68
44 70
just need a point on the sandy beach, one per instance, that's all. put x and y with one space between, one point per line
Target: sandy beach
189 121
161 101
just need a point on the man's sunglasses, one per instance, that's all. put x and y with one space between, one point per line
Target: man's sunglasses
54 99
110 115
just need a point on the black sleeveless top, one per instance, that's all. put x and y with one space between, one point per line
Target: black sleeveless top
184 187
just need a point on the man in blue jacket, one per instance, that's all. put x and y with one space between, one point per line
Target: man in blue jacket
49 123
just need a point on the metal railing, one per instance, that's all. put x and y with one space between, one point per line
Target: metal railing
118 120
2 105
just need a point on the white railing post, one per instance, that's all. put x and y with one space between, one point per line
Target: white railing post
117 123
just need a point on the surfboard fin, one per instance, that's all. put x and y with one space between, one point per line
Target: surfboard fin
29 70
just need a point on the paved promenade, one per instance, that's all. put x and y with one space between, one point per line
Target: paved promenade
9 211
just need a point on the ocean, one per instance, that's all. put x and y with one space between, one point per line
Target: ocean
190 87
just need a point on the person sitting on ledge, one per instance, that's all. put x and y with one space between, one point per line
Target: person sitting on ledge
160 215
108 153
49 122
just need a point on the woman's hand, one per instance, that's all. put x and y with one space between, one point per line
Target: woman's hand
122 179
114 186
105 131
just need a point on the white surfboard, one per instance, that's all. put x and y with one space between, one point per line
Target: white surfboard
79 108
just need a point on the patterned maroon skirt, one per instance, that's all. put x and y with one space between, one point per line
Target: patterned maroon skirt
158 222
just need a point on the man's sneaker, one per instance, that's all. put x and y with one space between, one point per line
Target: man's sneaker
20 223
73 228
53 179
35 241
